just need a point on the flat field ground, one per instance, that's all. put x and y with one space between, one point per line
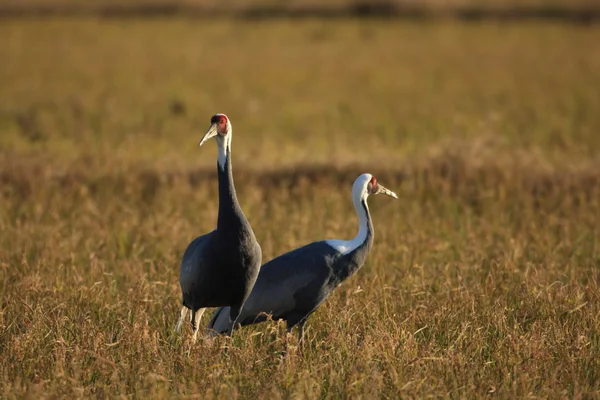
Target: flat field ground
484 276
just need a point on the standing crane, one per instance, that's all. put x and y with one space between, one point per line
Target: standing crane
292 286
220 267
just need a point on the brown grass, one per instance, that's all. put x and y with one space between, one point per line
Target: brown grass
483 280
236 5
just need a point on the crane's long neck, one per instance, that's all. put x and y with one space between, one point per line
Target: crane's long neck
230 212
364 237
359 248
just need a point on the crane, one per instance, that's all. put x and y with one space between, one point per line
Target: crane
292 286
220 268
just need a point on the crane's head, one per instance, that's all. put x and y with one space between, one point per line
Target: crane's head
366 184
220 127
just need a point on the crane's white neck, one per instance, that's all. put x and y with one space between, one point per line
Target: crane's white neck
362 212
359 198
224 149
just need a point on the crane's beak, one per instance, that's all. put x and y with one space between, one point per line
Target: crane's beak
379 189
210 133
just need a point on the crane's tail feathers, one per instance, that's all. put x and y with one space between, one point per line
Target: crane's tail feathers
262 317
219 323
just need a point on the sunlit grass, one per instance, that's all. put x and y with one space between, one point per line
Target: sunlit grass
309 92
484 275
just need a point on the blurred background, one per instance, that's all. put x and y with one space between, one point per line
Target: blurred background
484 117
304 82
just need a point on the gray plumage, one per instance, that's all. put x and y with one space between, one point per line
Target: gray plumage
220 267
292 286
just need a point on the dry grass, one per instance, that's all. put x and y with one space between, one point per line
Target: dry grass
484 275
298 4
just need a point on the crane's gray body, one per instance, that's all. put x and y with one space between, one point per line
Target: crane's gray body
221 267
292 286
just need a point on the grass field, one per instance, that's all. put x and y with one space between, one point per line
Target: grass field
484 276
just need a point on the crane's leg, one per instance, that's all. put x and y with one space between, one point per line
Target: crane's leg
196 316
234 315
232 326
301 333
182 315
286 340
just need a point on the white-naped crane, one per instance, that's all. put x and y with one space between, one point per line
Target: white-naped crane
292 286
220 268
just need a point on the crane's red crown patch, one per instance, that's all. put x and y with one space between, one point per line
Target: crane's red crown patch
218 119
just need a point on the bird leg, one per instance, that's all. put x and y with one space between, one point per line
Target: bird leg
289 334
301 333
184 311
233 321
196 316
231 328
284 352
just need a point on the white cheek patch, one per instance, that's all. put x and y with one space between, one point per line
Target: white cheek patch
224 148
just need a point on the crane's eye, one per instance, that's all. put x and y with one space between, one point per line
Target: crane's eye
372 184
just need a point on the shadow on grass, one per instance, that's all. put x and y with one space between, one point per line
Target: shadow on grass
443 175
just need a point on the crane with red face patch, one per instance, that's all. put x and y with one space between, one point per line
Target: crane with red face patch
292 286
219 269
